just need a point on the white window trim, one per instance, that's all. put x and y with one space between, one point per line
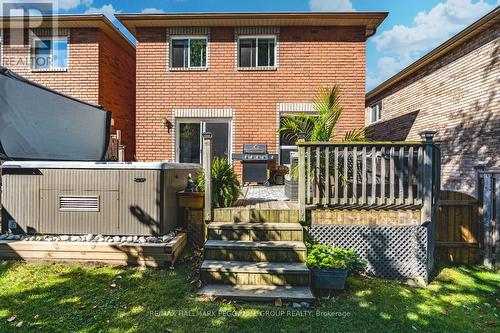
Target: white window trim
51 69
257 67
381 102
202 122
189 67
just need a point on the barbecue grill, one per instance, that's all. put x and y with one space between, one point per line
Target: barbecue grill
255 163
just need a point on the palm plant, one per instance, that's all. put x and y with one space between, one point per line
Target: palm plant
225 185
321 125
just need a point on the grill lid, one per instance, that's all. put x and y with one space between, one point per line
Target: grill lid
255 149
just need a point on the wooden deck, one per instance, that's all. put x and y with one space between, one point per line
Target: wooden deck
117 254
278 205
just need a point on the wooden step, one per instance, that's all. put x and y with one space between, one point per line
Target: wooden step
252 215
272 251
255 273
258 293
255 231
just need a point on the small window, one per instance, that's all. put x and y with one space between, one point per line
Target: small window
254 52
50 54
189 52
376 112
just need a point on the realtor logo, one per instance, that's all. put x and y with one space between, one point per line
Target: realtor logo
23 15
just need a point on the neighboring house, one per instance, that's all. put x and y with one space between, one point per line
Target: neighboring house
236 74
83 56
454 89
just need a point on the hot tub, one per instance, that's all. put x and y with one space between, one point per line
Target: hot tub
107 198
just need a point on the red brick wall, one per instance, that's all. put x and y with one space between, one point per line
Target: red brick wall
309 58
117 88
81 78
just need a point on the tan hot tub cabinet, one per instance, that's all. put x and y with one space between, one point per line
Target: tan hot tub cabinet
107 198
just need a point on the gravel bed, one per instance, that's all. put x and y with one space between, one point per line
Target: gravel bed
93 238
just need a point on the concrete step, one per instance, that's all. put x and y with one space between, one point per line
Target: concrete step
252 215
255 231
273 251
255 273
258 293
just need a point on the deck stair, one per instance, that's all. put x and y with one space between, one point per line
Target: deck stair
256 255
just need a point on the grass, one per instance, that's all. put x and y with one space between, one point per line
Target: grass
76 298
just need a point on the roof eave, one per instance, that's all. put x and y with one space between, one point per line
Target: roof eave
371 20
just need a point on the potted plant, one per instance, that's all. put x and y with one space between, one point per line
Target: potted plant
225 185
330 266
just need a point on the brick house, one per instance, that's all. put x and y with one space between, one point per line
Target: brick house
83 56
235 74
454 89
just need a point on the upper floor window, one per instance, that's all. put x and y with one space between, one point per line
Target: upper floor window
50 53
255 52
188 52
376 112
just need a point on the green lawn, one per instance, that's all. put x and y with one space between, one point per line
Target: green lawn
66 298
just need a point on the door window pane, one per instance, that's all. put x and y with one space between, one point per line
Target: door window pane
220 138
179 53
189 142
247 52
198 52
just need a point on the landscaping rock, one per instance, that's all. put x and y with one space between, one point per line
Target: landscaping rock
305 305
296 305
151 239
89 238
417 282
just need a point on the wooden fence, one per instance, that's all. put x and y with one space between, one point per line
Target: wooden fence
372 174
458 231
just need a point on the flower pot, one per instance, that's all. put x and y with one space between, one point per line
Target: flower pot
328 278
191 200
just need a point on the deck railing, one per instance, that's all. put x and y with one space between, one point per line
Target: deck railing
368 174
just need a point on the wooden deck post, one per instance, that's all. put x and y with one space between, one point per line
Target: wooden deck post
207 168
427 197
487 219
121 153
302 178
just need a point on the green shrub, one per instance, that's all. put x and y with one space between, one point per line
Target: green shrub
324 256
225 185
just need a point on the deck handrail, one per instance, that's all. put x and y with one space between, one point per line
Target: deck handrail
369 174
